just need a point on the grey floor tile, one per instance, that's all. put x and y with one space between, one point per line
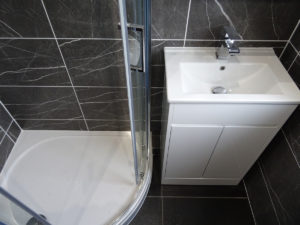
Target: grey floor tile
150 213
199 211
204 191
155 187
259 197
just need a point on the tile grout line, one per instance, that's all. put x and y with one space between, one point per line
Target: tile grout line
216 40
271 200
290 147
6 134
13 119
187 22
44 86
1 128
289 40
119 39
292 63
197 197
5 131
249 202
87 127
297 52
63 38
11 138
9 126
53 119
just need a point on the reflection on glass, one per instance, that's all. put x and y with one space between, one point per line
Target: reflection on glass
12 214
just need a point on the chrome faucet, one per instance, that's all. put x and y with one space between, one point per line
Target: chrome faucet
227 48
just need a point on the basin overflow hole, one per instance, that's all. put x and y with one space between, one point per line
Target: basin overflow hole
222 67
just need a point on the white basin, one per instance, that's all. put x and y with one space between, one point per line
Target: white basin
254 76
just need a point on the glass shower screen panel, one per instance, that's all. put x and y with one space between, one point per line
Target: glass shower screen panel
132 18
13 212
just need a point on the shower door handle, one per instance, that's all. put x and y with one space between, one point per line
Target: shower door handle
139 28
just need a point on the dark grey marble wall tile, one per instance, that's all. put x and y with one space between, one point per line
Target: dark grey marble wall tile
292 131
259 198
182 211
109 125
278 51
250 20
296 38
295 71
31 62
150 213
104 103
5 149
266 44
195 43
288 56
14 131
157 50
84 18
207 18
106 110
282 176
40 102
204 191
94 62
169 18
205 21
5 118
156 103
286 16
212 43
155 127
156 151
52 124
157 76
101 94
155 141
21 18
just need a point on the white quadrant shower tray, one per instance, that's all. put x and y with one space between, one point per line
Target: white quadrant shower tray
72 177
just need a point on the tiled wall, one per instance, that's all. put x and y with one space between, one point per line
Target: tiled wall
62 64
273 183
265 23
9 132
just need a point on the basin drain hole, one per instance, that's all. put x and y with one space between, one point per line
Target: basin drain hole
219 90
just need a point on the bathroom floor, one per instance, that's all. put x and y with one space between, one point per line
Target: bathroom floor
193 205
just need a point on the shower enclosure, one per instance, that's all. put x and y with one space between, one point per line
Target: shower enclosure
87 177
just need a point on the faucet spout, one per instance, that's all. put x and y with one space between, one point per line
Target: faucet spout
227 49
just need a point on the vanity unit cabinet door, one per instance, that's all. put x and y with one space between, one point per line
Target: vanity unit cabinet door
237 149
190 149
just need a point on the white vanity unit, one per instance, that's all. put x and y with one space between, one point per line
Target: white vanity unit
214 139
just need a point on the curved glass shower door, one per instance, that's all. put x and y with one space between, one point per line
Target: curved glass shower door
14 212
133 20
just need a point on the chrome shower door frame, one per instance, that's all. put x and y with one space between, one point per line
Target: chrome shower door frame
145 69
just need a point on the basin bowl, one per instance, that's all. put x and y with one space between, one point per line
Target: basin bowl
236 78
255 75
